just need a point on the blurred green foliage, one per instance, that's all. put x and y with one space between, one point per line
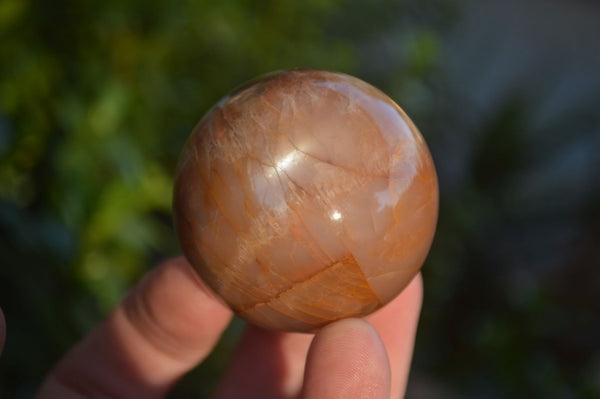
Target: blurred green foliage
100 97
97 99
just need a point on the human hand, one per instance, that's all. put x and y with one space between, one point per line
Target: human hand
170 322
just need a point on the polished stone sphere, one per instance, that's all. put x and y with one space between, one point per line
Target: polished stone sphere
306 197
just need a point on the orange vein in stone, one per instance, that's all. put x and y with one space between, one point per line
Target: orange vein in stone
311 234
285 198
262 266
306 280
303 311
361 270
233 271
343 167
246 207
214 197
292 315
362 274
294 285
264 100
316 241
291 208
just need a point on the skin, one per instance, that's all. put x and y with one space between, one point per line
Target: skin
170 323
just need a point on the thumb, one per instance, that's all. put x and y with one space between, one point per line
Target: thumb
347 359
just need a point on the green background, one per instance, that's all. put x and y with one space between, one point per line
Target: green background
98 97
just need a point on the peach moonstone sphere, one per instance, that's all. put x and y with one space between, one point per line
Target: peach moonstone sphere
306 197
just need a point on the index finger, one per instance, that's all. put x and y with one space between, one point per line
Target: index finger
168 324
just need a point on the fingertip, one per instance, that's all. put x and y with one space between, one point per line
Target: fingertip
347 359
175 311
169 323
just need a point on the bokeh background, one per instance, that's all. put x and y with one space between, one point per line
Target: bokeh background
98 97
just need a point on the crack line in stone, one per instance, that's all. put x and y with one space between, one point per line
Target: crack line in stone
214 197
294 285
343 167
